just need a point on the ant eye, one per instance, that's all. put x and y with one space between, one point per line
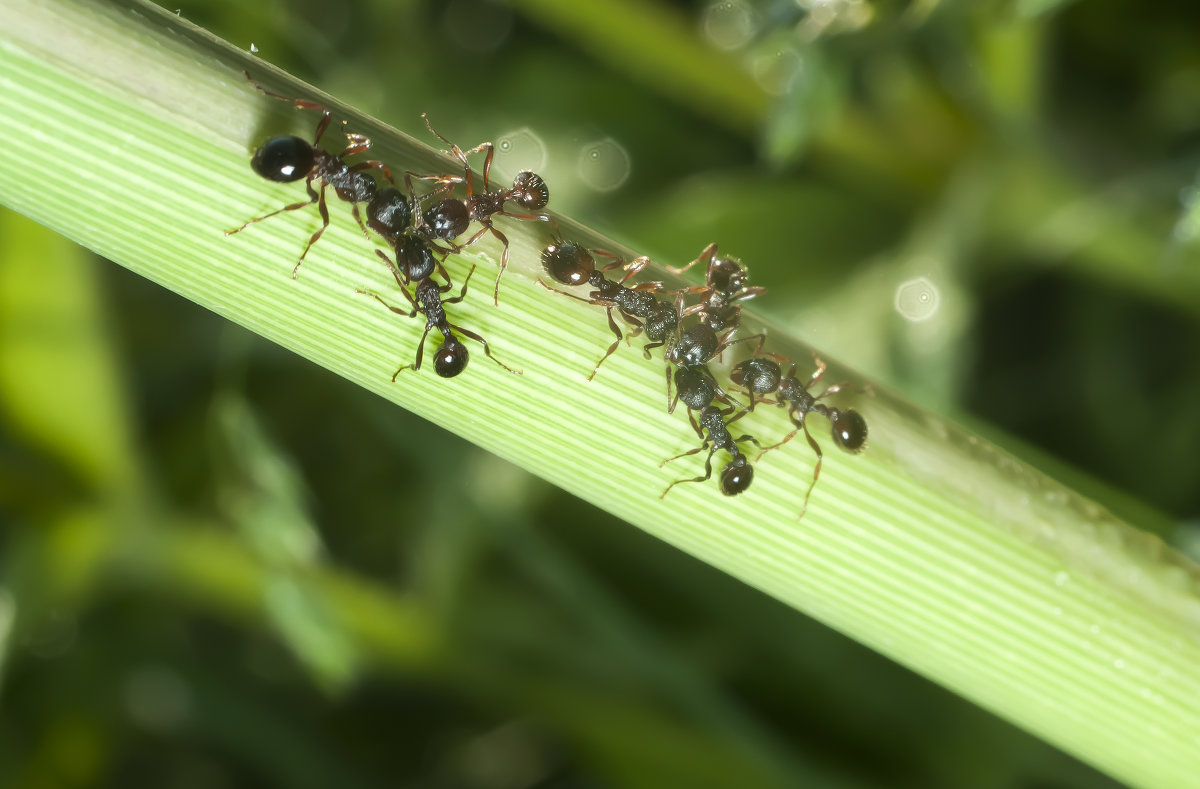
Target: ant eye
736 477
451 359
283 159
850 431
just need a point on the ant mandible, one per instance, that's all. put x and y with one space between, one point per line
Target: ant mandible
287 159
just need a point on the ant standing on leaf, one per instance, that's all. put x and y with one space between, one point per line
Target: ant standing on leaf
450 218
287 159
727 285
762 376
571 264
738 473
389 214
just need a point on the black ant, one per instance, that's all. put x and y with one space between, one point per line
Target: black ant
693 348
728 284
287 159
571 264
762 376
738 473
415 262
450 218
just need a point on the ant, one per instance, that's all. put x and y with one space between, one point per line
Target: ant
728 284
738 473
415 262
571 264
450 218
762 376
287 159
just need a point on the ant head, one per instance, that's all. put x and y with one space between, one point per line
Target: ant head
451 358
447 219
736 476
568 262
728 276
283 159
695 389
757 375
389 214
413 258
530 191
849 429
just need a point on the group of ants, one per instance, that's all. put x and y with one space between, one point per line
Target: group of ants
423 230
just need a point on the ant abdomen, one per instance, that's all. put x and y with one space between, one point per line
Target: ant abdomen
451 358
736 476
283 159
849 430
568 262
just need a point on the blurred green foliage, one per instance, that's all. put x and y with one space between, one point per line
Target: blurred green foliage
221 566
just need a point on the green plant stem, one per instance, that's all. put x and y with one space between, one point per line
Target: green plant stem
931 547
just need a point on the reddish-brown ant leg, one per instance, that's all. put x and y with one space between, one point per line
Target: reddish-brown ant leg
487 349
462 294
324 210
706 256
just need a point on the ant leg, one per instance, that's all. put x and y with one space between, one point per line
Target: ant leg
355 144
707 474
445 186
486 348
407 313
420 354
816 470
503 257
787 438
301 104
820 371
612 325
373 164
257 219
462 294
633 268
324 210
358 218
671 402
401 279
705 257
700 448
